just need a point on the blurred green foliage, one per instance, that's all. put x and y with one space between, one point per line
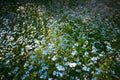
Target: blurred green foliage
60 40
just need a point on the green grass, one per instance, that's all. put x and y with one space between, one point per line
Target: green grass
68 43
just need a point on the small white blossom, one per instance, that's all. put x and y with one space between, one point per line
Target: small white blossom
28 47
74 53
11 38
98 70
20 8
78 62
91 63
45 52
72 65
85 68
50 45
62 45
94 78
43 40
86 54
94 58
54 58
60 67
76 44
94 50
57 74
65 59
43 76
50 79
84 46
7 55
86 42
26 64
36 41
109 48
77 70
101 55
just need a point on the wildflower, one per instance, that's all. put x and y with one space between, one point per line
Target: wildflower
44 68
16 69
57 74
33 57
62 45
74 53
84 20
86 42
65 59
94 59
98 71
43 40
45 52
28 47
36 41
39 72
77 70
30 67
101 55
60 67
94 50
90 63
86 54
84 46
78 62
85 68
20 8
77 78
50 45
76 44
10 38
50 78
54 58
113 72
7 62
24 77
27 73
26 64
72 65
94 78
109 48
43 76
7 55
